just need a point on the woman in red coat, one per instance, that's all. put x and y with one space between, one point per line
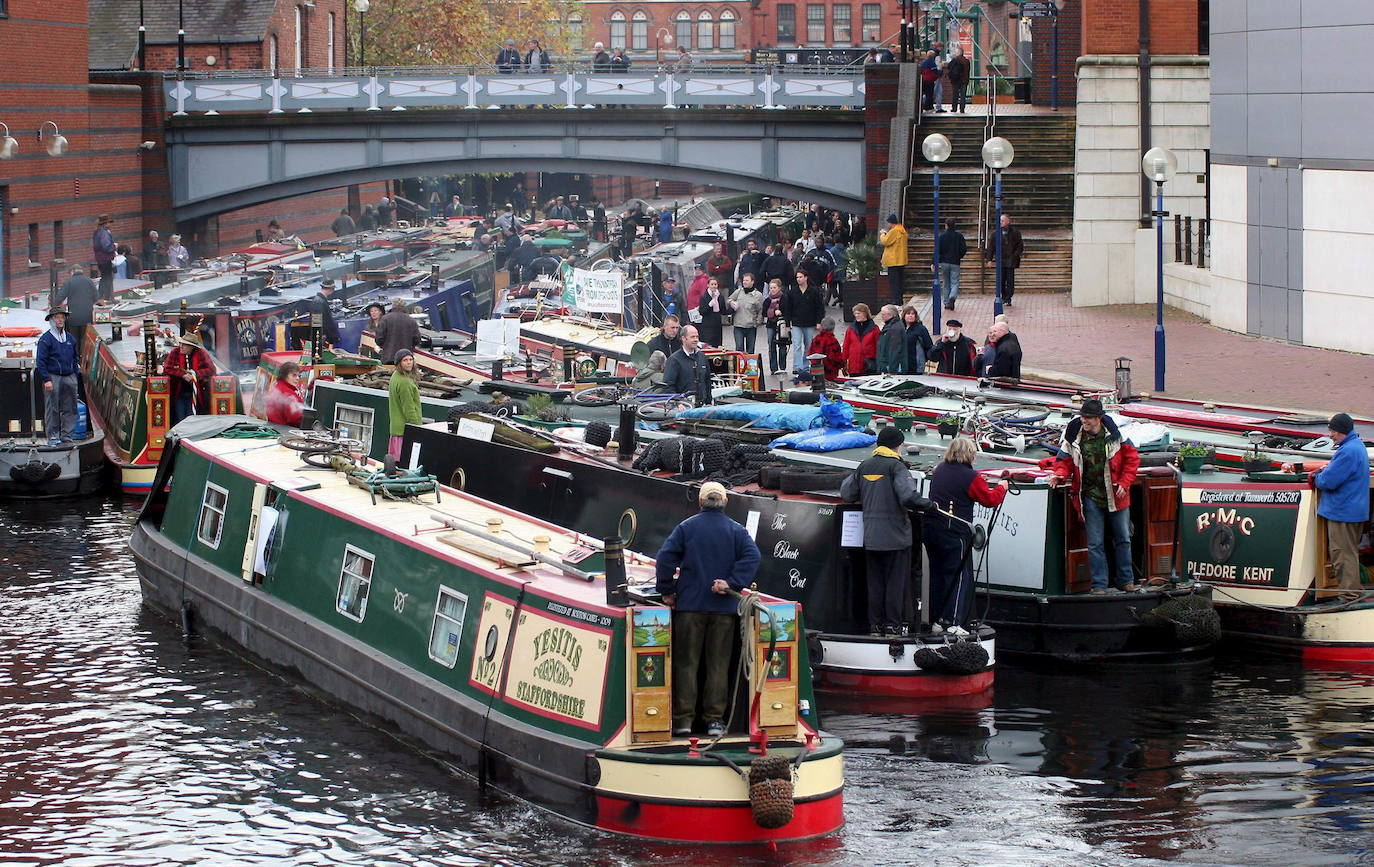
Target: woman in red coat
861 343
722 268
283 402
189 368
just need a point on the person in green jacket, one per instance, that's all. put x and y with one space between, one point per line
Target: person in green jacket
891 342
404 399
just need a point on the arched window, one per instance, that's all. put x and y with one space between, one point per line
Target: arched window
727 30
272 53
639 31
329 62
683 25
300 40
617 29
706 32
575 31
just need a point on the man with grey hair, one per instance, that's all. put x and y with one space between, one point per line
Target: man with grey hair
892 341
1001 355
78 294
702 561
601 61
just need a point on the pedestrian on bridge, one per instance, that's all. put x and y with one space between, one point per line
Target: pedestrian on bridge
619 62
536 58
508 58
343 224
601 61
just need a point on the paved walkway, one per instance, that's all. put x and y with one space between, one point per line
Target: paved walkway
1204 362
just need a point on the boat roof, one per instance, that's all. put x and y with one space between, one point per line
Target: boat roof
412 522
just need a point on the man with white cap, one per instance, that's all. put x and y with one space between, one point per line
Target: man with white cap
703 559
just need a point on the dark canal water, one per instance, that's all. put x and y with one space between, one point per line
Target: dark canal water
122 744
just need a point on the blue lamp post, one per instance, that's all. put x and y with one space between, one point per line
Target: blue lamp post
936 149
998 155
1159 165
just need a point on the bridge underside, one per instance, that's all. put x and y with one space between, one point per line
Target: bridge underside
222 163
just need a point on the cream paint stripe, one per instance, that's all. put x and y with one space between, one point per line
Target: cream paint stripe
707 782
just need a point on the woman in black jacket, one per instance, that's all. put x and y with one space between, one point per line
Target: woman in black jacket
918 342
711 307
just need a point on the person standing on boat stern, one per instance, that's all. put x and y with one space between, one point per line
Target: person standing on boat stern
329 329
189 368
702 560
403 400
1100 465
954 487
1344 506
283 403
58 363
688 372
884 487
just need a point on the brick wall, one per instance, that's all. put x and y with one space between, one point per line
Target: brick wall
1070 40
315 25
880 107
1113 27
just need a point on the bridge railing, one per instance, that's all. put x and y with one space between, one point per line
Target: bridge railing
575 86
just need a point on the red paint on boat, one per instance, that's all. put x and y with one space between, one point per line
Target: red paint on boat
910 685
715 823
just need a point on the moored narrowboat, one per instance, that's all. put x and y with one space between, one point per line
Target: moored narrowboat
532 656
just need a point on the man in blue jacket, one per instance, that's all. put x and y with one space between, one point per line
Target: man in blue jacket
58 364
1344 506
711 555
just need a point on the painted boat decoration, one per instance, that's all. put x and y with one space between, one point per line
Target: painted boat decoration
31 468
504 642
133 406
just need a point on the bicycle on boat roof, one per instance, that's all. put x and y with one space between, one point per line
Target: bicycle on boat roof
1008 428
654 404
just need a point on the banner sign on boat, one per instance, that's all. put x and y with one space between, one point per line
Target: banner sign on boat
597 291
1241 535
558 669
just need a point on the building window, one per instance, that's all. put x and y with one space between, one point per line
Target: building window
355 579
873 22
706 32
683 25
33 245
839 24
815 24
59 243
639 32
447 631
356 420
211 523
300 38
787 24
617 29
727 30
272 53
575 31
329 63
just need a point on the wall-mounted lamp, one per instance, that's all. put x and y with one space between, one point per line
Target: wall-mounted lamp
57 142
8 145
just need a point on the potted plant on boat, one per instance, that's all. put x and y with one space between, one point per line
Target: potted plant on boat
1191 456
902 420
947 425
864 261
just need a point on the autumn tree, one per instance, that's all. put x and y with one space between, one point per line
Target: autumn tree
466 32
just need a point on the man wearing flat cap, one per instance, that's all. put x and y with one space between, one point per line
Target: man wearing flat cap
329 329
703 559
1344 506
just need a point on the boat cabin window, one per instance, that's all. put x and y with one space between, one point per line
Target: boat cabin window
358 420
211 523
355 579
444 636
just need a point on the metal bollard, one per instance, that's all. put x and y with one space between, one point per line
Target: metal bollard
1187 240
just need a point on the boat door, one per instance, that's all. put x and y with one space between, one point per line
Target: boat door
265 523
556 487
1154 537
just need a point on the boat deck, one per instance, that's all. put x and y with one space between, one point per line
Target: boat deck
414 523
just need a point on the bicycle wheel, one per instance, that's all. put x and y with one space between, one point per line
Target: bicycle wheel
663 410
306 443
598 395
1013 415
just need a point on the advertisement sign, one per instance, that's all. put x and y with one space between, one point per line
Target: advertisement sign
1016 545
1241 534
558 668
596 291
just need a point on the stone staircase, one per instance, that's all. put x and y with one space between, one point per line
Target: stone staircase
1037 193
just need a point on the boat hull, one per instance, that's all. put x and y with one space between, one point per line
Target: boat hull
76 470
888 667
1329 636
1088 628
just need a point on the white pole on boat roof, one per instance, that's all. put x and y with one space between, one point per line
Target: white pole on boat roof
487 535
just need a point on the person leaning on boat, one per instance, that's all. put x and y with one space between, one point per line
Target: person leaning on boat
189 368
1344 506
283 403
688 371
1100 464
403 400
954 487
884 487
702 560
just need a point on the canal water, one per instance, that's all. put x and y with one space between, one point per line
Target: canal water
121 743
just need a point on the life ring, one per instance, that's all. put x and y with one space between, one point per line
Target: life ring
20 331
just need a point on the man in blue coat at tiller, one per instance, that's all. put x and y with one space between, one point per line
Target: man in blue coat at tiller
1344 485
58 364
711 555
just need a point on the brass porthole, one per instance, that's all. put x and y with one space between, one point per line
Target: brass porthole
459 480
634 526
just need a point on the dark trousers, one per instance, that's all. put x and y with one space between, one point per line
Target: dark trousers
951 573
701 640
895 275
1008 283
888 573
106 285
927 95
960 99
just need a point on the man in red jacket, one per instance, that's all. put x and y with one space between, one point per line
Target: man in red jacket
1100 464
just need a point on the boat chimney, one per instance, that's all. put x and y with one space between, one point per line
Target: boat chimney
149 346
626 435
316 335
1123 378
617 588
434 278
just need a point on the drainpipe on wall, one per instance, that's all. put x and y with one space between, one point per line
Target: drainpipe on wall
1145 138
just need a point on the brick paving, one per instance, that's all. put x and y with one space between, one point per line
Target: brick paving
1204 362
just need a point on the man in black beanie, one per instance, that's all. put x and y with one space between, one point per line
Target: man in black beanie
1344 506
884 486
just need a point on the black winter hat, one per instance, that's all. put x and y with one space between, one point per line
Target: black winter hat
890 437
1092 408
1341 423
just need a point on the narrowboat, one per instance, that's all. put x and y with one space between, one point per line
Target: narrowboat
131 402
31 467
536 658
1257 540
